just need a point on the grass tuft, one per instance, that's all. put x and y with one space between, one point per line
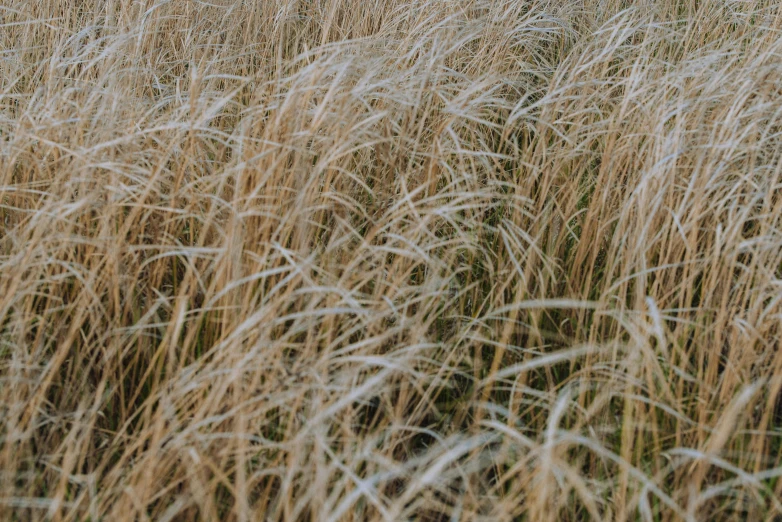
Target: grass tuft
390 260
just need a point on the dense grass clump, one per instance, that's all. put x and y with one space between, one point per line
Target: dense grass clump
390 260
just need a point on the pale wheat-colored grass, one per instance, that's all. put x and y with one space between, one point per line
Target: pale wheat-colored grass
390 260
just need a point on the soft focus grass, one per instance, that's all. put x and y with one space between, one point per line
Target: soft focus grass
390 260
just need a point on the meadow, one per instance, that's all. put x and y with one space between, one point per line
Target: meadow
364 260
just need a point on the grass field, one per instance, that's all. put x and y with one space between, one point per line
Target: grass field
347 260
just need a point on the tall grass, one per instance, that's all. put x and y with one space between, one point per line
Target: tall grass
390 260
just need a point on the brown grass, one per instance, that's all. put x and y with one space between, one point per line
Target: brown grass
390 260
